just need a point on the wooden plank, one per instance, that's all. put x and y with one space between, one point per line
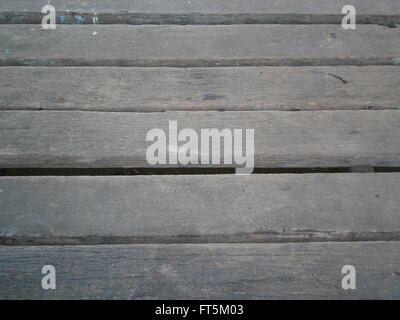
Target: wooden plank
218 271
162 89
201 12
84 139
203 208
198 46
388 7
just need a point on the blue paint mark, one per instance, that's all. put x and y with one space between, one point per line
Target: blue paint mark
61 19
8 51
79 19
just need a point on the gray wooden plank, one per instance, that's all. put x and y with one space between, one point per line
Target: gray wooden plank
198 46
387 7
199 208
201 12
218 271
162 89
84 139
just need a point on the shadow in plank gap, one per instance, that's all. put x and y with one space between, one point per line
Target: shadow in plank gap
178 171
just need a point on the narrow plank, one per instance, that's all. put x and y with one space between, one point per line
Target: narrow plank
218 271
198 46
388 7
83 139
163 89
204 208
201 12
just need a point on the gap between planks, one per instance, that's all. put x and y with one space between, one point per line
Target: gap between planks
300 236
24 172
85 18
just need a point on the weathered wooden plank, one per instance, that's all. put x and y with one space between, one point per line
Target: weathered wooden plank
201 12
204 208
388 7
162 89
218 271
83 139
198 46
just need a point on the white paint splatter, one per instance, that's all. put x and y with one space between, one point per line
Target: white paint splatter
95 19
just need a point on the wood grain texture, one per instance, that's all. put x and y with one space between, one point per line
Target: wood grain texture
205 208
218 271
388 7
198 46
281 139
163 89
201 12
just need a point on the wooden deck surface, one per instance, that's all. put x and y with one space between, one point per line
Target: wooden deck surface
324 102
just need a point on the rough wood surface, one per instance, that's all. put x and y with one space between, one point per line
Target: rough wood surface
198 46
201 12
205 208
218 271
118 139
388 7
162 89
